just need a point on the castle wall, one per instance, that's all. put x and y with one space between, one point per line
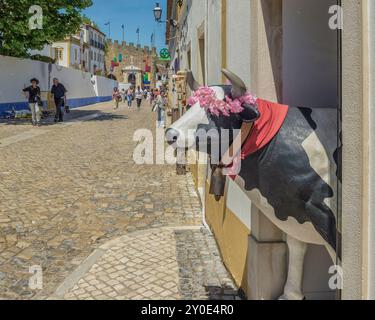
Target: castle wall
132 54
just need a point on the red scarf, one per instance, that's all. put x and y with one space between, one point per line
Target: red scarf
266 127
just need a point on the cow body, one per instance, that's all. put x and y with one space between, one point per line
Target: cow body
294 175
292 180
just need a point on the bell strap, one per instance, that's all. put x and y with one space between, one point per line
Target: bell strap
236 147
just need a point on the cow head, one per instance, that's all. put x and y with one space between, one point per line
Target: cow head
212 128
198 120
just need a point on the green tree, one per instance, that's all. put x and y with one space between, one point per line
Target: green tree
60 19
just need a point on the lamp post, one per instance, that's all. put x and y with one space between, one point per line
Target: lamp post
158 12
108 24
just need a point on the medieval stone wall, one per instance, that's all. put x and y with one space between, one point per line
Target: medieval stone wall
132 55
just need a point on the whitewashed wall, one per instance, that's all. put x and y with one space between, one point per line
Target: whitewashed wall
195 19
239 38
213 41
15 74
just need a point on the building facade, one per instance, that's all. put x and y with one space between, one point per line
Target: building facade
297 52
96 54
84 51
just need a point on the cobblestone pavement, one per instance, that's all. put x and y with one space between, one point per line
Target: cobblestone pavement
66 190
166 263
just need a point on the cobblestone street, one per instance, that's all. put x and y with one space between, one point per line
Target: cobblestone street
101 227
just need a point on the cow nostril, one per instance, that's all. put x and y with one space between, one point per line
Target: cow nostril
172 135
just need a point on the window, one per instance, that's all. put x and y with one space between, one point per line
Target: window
59 54
95 56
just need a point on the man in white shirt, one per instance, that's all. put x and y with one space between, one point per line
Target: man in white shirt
138 97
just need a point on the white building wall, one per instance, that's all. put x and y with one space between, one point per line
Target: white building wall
214 42
238 39
82 88
195 20
46 52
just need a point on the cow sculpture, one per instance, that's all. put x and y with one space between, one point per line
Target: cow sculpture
292 178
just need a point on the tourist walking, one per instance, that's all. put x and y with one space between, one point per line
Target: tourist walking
138 97
32 93
59 94
116 96
130 97
161 102
152 98
123 94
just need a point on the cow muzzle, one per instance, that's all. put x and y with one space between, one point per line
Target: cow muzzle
171 136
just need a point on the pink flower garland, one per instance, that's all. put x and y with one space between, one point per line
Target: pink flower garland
207 99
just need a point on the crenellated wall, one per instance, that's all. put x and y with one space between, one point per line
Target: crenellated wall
133 55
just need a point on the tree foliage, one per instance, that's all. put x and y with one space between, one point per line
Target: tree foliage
60 19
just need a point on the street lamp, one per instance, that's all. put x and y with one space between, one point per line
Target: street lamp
158 12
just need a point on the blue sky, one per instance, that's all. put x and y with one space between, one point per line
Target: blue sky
133 14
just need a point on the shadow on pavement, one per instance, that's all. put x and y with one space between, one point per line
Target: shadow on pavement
48 120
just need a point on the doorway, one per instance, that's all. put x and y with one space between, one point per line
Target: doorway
311 64
305 55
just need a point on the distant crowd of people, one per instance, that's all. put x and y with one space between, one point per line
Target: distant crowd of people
156 98
33 94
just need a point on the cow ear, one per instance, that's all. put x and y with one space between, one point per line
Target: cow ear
250 113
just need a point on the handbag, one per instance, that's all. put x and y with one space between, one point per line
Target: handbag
39 102
67 109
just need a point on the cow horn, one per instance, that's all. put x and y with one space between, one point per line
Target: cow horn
192 83
239 87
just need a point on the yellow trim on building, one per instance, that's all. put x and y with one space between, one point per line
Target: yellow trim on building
231 235
69 48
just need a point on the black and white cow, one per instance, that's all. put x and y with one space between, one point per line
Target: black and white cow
292 180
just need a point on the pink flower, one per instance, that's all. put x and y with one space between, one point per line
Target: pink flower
208 101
